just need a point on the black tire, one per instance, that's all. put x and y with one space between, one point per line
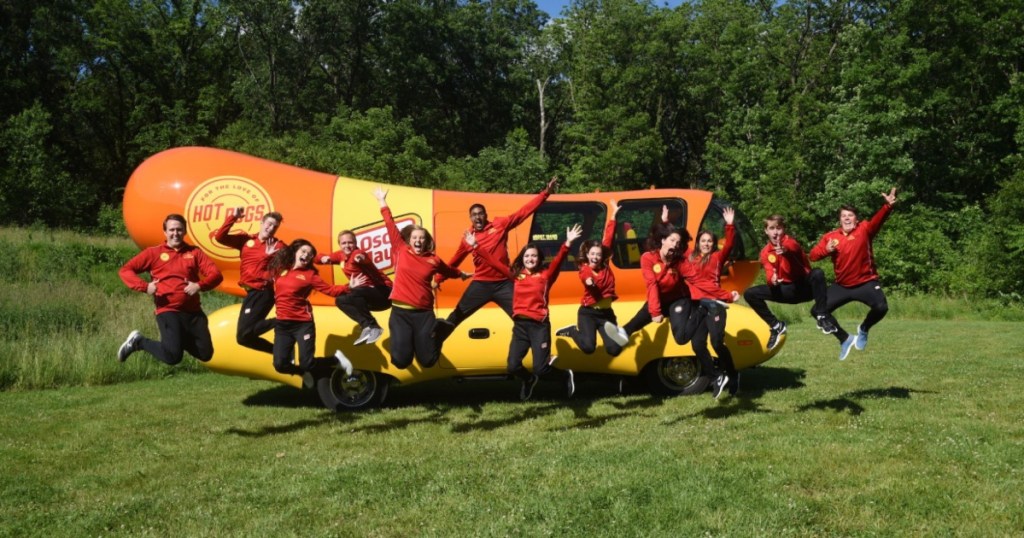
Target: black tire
361 390
671 376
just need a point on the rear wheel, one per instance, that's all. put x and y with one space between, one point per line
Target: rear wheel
670 376
361 390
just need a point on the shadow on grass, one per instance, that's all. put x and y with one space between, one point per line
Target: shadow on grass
846 402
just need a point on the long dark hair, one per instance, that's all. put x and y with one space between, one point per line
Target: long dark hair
696 255
660 231
606 253
285 258
517 264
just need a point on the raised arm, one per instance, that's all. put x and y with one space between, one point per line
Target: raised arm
524 212
487 257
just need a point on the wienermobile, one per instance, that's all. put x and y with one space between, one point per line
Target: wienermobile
204 183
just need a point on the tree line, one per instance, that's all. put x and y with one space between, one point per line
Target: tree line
788 107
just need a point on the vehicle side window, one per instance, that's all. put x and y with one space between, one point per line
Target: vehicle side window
634 222
551 220
745 247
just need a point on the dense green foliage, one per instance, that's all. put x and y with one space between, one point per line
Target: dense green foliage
792 107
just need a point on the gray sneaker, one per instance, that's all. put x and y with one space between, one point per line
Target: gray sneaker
527 390
615 333
374 334
846 346
130 345
862 339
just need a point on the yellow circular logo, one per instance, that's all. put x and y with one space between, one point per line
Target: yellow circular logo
250 243
772 258
210 203
164 256
657 268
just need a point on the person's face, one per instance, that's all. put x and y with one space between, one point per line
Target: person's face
174 231
595 256
303 256
478 217
531 259
706 243
847 220
268 227
418 241
347 243
670 245
774 232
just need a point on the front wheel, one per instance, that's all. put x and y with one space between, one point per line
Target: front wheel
361 390
675 375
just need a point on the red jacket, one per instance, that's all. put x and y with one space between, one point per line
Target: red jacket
664 283
706 282
413 272
604 279
172 269
359 262
291 293
790 266
252 254
530 294
494 240
853 257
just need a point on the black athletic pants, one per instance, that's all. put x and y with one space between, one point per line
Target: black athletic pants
286 335
711 318
869 293
529 335
812 288
590 322
180 332
679 317
253 322
412 336
358 304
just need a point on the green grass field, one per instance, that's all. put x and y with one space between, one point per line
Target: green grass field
920 434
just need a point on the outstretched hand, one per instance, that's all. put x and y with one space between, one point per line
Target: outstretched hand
572 234
729 214
552 184
381 194
891 197
470 238
615 209
358 280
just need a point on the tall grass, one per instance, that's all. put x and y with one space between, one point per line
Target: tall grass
64 311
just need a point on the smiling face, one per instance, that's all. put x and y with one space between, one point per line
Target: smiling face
595 256
174 232
418 241
268 227
706 243
478 217
303 257
531 259
774 230
347 243
847 220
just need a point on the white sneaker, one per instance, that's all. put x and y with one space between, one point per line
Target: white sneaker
343 362
130 345
615 333
570 384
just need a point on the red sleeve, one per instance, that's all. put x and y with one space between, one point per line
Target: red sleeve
609 233
517 218
335 258
446 270
129 272
587 272
489 259
211 275
393 232
456 260
769 268
227 239
876 221
651 279
323 287
820 252
730 241
555 267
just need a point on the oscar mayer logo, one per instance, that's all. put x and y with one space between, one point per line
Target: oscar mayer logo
373 239
210 203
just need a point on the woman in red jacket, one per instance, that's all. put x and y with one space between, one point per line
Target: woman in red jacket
531 329
294 279
412 296
596 314
707 262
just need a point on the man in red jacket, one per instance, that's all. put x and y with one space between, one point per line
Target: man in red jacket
849 247
254 253
178 272
489 284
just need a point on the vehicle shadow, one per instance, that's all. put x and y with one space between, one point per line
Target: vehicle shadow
848 402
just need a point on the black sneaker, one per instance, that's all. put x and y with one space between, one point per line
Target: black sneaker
719 385
570 384
778 330
734 384
442 330
827 324
527 390
566 331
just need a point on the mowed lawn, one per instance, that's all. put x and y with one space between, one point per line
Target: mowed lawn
921 434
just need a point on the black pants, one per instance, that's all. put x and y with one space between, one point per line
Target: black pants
811 288
529 335
412 337
253 322
180 332
286 335
711 326
869 293
358 304
679 317
478 294
590 322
